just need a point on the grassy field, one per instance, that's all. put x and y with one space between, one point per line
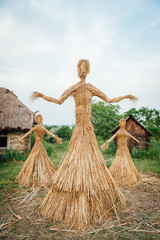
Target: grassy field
20 217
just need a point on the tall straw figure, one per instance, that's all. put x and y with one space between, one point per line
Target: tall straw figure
38 168
122 168
83 190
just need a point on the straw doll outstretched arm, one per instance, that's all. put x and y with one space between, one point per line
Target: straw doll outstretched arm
104 146
96 92
26 134
132 137
64 96
58 140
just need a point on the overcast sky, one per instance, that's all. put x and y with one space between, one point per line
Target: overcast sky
41 42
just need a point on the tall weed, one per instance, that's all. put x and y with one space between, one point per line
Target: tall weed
49 148
153 152
10 155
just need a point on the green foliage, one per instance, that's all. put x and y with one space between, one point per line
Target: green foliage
109 153
154 150
105 117
62 147
152 153
149 118
53 129
65 132
139 154
49 148
111 150
10 155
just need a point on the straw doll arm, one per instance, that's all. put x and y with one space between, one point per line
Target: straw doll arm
104 146
64 96
96 92
58 140
132 137
25 135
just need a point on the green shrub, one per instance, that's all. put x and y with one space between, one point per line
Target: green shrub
10 155
65 132
111 150
152 153
154 150
139 154
53 129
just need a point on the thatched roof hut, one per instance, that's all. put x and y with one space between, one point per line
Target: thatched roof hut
138 131
15 120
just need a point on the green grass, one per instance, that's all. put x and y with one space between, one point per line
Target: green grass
147 165
9 171
142 165
59 152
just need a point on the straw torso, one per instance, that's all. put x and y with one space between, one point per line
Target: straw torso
83 103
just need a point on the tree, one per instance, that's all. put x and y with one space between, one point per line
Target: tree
149 118
105 117
52 129
65 132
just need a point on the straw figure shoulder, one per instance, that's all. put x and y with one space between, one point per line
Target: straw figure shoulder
122 168
83 190
38 168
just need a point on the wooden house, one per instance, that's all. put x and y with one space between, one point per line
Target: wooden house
137 131
15 120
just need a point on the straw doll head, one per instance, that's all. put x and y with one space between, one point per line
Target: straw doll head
83 68
38 119
122 123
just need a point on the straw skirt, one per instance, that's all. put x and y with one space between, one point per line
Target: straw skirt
123 169
38 168
83 190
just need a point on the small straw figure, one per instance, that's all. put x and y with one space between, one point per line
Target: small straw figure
83 190
38 168
122 168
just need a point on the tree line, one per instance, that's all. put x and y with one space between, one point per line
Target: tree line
105 117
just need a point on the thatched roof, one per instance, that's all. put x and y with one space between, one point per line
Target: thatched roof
13 113
131 117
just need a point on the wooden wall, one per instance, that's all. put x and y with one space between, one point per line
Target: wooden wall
12 139
22 146
139 133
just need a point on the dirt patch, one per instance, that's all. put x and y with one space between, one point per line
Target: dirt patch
20 218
